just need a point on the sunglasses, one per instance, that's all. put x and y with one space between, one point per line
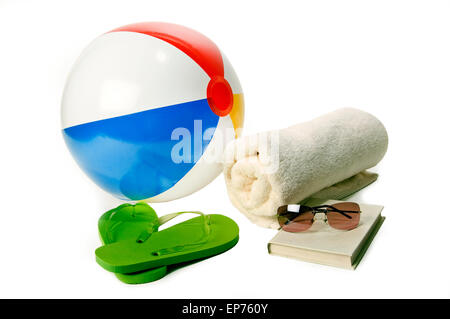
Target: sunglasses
298 218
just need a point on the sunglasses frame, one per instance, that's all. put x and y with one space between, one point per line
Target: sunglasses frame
325 209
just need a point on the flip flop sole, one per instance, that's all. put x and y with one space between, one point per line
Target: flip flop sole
180 243
143 276
124 222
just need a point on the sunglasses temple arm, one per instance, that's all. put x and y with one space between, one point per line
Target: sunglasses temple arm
334 209
342 213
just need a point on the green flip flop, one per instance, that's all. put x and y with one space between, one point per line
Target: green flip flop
194 239
127 222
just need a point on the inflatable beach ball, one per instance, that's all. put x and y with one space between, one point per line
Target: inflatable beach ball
148 107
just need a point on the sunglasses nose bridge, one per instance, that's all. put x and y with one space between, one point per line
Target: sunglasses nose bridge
322 214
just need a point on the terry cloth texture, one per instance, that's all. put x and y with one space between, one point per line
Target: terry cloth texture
270 169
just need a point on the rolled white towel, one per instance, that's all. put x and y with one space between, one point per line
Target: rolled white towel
271 169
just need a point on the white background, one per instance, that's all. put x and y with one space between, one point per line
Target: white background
296 60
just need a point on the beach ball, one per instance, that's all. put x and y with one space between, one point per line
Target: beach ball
147 108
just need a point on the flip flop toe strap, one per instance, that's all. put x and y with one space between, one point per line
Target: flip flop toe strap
206 219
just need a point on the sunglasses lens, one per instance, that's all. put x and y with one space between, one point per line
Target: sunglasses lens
340 221
295 218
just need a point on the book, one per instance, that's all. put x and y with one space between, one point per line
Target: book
325 245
